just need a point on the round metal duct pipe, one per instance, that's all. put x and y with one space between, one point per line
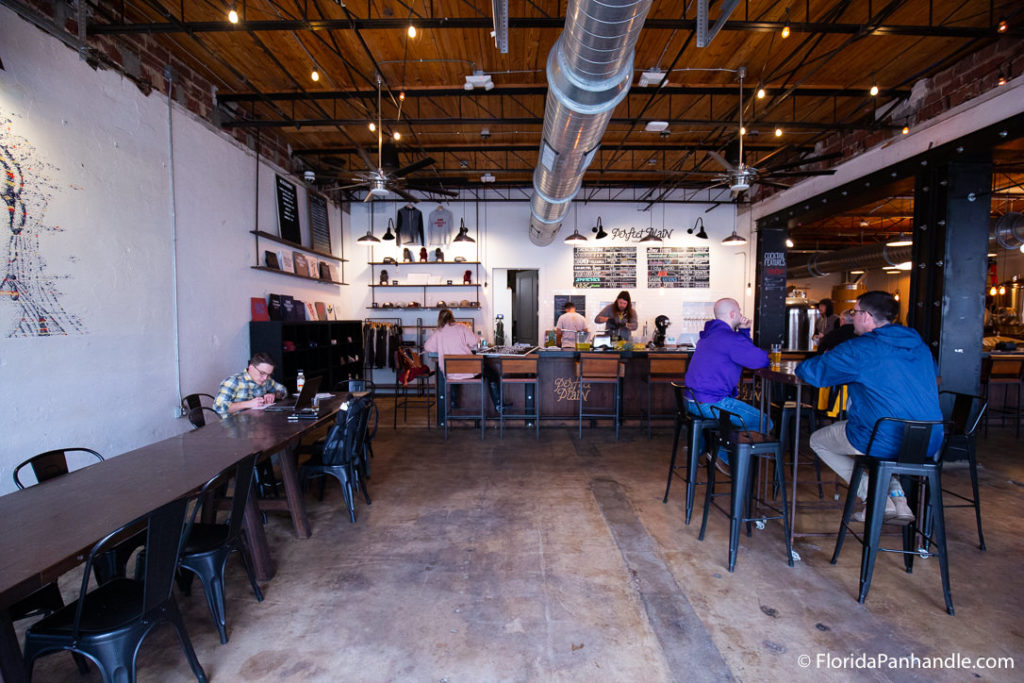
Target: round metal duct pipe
589 69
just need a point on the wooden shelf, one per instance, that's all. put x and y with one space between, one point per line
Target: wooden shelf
477 284
287 243
423 308
426 263
301 277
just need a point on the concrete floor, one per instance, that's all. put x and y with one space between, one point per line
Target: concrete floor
556 560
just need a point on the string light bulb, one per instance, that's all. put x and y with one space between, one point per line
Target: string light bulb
906 130
743 130
1002 289
785 27
397 136
315 75
761 93
1001 26
874 89
401 96
778 132
233 15
992 290
412 31
373 127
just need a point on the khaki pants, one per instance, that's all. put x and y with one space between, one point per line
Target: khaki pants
835 450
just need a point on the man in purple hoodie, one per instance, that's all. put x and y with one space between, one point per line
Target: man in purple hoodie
722 352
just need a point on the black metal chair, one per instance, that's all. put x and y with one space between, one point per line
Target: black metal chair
695 427
965 416
207 546
744 447
51 464
342 451
911 461
193 401
198 415
109 623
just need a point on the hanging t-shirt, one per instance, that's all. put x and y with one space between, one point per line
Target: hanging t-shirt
439 227
410 226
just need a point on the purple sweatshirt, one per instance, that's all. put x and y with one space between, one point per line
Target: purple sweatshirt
721 354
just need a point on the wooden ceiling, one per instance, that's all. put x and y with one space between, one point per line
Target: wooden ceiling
817 83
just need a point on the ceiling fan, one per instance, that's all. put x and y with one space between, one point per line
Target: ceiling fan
740 178
385 179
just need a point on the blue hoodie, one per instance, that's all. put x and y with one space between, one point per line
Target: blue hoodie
889 373
717 362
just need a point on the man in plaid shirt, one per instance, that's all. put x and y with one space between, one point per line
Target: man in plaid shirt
252 388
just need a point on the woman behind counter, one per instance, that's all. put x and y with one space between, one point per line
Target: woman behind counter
827 320
619 318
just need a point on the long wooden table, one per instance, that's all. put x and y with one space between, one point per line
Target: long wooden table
47 529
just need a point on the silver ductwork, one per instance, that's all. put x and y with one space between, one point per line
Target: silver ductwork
590 69
1007 232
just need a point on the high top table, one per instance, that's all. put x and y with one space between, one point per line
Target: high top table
48 529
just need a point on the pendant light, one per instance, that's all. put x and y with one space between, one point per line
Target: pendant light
575 236
388 235
734 239
463 235
900 241
369 239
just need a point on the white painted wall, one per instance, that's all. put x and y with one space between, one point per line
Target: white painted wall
100 198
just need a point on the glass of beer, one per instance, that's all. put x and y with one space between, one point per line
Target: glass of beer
775 355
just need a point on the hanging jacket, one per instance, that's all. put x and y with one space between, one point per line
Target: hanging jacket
410 226
889 373
721 354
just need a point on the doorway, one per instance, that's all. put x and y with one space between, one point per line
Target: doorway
524 287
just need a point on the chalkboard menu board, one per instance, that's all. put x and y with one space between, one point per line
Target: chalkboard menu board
288 211
604 267
561 299
318 224
678 267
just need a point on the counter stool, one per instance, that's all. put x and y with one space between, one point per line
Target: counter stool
965 417
663 371
521 371
911 461
743 446
695 427
1005 372
594 369
467 364
420 394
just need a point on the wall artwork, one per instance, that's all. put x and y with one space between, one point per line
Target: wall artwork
27 185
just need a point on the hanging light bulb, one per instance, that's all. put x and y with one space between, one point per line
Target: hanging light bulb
1001 26
412 31
874 89
789 243
1002 289
233 15
761 93
373 127
785 27
992 291
906 130
315 75
743 130
778 132
401 96
397 136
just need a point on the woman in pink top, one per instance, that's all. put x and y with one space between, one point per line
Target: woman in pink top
454 338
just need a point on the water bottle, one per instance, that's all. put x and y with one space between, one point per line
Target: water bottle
300 381
480 343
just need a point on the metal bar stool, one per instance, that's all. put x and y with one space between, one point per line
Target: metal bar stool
966 415
743 446
911 461
1008 373
695 427
467 364
596 369
663 371
521 371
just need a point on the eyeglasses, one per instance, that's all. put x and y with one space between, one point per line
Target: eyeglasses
263 373
855 311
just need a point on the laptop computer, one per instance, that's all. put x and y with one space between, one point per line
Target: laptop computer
304 408
303 403
601 341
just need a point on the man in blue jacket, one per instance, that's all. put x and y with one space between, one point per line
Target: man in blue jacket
889 372
713 374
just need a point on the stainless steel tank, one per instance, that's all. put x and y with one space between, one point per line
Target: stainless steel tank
801 315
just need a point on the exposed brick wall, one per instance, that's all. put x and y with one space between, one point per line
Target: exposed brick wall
142 60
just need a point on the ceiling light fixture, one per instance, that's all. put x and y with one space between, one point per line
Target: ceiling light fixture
396 136
412 31
856 272
463 235
599 229
373 127
315 75
906 129
369 239
656 126
900 241
479 79
1002 77
699 224
734 239
652 77
874 88
1002 26
743 130
487 178
992 290
786 27
233 15
388 235
778 132
761 92
789 243
575 237
1002 289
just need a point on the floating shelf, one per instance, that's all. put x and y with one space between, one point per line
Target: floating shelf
301 277
287 243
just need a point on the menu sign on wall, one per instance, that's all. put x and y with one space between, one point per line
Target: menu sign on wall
288 211
318 224
679 267
604 267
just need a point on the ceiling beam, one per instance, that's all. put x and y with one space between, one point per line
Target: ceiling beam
533 147
555 23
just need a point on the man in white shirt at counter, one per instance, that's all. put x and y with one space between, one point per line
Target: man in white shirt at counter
571 320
